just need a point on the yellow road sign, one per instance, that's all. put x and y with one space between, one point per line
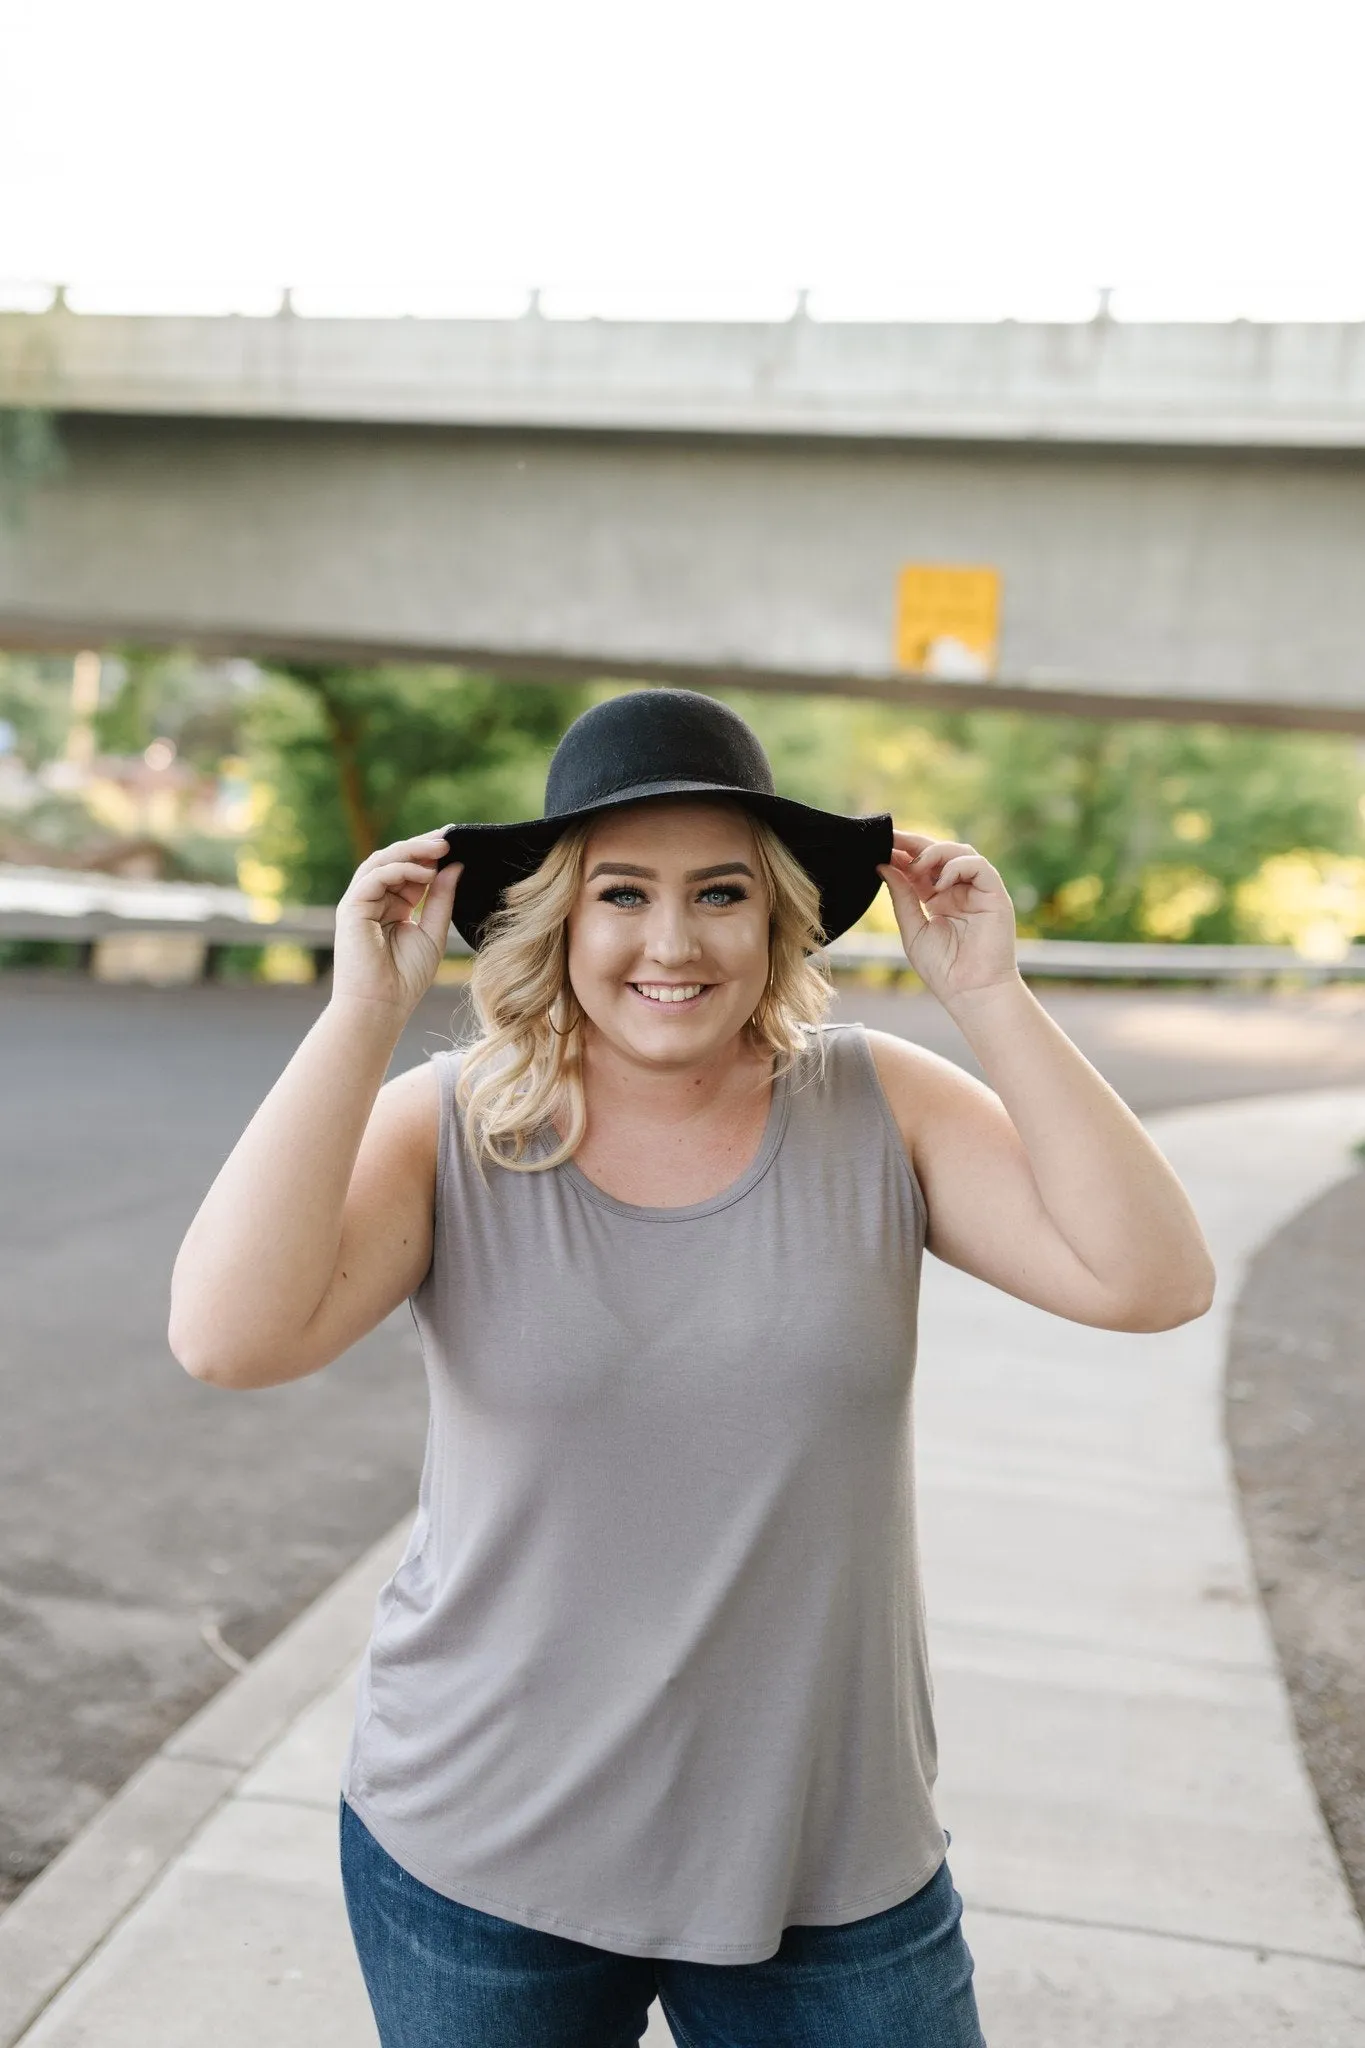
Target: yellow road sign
948 620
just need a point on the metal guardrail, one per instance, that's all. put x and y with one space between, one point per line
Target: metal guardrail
57 903
62 903
1102 959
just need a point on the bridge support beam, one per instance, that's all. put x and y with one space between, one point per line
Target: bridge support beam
1137 581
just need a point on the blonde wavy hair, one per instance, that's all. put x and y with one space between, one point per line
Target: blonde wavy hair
523 1069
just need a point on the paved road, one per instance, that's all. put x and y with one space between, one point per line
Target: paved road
139 1509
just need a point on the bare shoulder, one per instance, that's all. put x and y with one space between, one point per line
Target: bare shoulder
388 1223
399 1147
923 1088
986 1212
407 1110
935 1105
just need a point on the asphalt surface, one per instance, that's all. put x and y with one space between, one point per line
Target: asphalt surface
155 1532
1295 1409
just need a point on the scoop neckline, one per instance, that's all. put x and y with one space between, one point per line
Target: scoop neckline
773 1132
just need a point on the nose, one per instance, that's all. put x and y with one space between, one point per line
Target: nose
671 938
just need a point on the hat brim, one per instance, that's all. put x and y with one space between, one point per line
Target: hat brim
840 854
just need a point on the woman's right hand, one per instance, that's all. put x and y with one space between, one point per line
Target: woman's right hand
379 955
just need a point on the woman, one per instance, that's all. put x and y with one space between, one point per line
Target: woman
646 1708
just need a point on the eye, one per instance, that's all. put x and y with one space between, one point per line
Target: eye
622 889
724 893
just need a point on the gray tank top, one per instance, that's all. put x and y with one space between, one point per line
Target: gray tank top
651 1674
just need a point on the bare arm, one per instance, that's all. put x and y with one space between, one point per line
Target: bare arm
262 1254
1104 1183
1044 1181
320 1220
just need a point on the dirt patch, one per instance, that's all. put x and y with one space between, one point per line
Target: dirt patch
1295 1400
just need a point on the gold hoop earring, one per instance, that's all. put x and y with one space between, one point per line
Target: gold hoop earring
574 1023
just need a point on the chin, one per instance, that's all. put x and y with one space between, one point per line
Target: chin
666 1039
670 1042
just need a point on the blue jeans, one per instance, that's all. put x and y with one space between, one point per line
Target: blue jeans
443 1975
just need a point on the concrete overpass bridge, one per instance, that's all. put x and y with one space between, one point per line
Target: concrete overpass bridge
1176 514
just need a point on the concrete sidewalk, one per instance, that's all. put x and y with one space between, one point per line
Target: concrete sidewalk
1140 1851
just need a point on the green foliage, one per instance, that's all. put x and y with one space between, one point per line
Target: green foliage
204 857
125 724
1106 829
67 954
360 757
238 963
1101 829
144 692
1145 810
35 698
148 693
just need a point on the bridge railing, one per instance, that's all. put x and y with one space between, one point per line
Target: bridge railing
57 903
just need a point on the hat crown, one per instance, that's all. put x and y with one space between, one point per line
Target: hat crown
654 736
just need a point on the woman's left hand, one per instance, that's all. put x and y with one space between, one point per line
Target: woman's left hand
965 939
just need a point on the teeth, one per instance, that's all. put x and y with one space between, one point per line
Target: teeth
663 992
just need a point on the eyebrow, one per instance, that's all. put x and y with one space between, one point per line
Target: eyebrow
725 867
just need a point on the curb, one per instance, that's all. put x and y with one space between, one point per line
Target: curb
59 1921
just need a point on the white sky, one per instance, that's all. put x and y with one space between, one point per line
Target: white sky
1203 156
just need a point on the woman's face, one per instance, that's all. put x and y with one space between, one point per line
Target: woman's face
668 940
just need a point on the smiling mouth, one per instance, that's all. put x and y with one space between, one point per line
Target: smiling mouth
671 995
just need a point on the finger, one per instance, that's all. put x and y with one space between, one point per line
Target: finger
941 849
441 868
910 916
950 874
391 879
443 884
430 844
433 913
902 889
919 842
416 870
441 876
394 876
908 871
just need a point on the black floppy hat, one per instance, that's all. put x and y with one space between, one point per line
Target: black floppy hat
667 743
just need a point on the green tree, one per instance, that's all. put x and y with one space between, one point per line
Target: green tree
35 700
361 756
1102 829
1138 829
174 693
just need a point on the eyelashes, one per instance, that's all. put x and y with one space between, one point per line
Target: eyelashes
728 892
